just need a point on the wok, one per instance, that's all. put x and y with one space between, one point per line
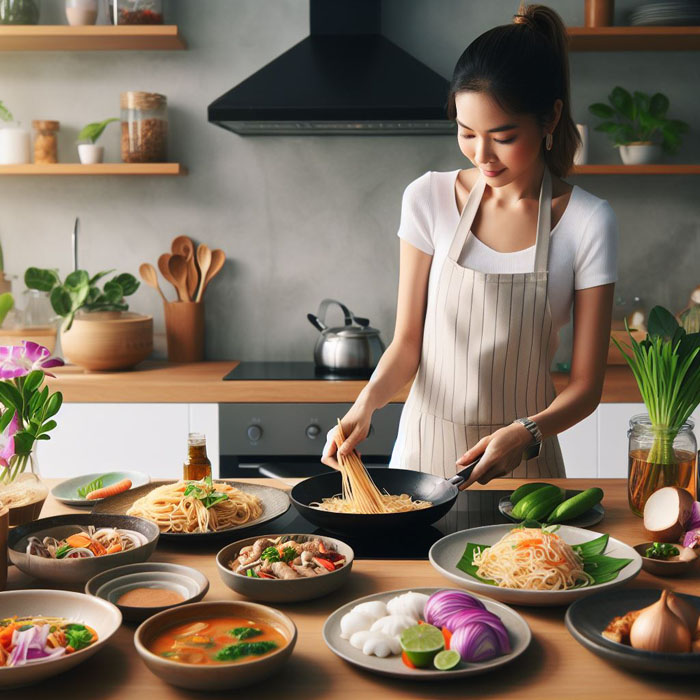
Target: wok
419 485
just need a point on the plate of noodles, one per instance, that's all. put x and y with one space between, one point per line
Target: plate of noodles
532 565
203 508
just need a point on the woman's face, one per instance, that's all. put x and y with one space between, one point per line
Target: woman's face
503 146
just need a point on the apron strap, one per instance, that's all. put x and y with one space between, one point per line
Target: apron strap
467 218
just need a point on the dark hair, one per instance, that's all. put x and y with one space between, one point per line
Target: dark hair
524 66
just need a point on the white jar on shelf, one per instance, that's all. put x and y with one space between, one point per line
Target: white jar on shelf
81 12
14 145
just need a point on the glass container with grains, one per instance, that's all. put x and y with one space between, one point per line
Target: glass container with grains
144 120
45 141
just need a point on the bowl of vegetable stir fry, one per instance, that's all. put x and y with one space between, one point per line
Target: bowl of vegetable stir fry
285 568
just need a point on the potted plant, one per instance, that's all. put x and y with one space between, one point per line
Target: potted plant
663 449
26 416
98 331
14 141
638 125
88 150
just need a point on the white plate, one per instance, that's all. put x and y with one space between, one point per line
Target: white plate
446 553
67 491
518 632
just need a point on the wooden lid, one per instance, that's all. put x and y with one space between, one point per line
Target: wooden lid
46 125
146 101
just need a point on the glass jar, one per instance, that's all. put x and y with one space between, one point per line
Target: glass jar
144 117
659 457
19 12
197 466
46 141
15 144
136 11
80 13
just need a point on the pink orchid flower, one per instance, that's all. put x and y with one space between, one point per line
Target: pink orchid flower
7 442
20 360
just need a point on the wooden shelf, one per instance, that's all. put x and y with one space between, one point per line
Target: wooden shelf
634 38
144 37
620 169
98 169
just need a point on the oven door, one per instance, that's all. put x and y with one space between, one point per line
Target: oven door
285 440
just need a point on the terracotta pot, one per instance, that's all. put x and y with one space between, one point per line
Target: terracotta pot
108 340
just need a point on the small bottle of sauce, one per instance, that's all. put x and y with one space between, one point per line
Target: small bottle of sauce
197 466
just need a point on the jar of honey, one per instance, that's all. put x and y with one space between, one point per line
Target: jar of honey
197 465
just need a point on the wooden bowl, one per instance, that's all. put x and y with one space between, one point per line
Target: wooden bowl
661 567
219 676
108 340
23 484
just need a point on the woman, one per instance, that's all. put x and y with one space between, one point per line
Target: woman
492 259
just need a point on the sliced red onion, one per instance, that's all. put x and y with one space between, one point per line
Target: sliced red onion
477 641
78 553
444 604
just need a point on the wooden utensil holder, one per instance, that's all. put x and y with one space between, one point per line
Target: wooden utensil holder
184 330
4 527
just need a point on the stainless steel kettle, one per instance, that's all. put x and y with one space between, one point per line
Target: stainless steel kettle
354 347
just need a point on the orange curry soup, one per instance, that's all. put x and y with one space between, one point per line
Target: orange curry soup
218 640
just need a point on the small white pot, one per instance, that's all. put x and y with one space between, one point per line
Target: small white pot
640 153
90 153
14 146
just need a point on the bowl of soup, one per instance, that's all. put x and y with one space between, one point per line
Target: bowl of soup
216 645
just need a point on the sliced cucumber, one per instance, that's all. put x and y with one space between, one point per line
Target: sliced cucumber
576 505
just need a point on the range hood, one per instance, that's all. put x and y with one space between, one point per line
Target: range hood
344 78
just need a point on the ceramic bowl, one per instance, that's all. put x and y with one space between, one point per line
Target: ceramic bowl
102 616
110 585
284 591
77 570
659 567
219 676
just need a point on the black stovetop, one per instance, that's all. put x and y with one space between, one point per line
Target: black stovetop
279 371
472 509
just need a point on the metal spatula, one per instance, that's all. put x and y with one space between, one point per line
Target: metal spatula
459 478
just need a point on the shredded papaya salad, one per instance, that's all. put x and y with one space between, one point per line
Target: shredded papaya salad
532 559
25 640
86 543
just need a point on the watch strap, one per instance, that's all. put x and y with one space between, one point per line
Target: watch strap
533 450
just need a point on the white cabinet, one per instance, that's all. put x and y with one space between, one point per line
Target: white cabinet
578 447
148 437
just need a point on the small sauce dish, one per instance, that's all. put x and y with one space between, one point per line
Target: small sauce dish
677 565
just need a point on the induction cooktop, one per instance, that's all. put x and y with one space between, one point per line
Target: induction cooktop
299 371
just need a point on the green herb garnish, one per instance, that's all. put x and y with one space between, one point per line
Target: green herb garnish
78 636
236 651
245 632
63 550
272 555
204 491
661 550
83 491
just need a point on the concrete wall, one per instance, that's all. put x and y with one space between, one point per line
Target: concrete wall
301 218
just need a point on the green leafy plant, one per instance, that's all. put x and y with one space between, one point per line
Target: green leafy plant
5 114
666 365
638 117
7 302
80 291
91 132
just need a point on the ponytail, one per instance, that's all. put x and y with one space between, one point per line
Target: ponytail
524 66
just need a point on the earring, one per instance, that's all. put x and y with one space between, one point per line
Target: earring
548 141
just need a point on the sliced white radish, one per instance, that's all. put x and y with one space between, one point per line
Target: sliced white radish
666 512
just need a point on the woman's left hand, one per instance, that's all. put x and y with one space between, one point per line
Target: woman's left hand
502 452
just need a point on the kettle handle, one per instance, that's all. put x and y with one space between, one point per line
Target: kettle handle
323 308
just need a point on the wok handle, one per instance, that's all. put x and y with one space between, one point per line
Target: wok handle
461 476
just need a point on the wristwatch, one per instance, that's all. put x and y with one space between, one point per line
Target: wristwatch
532 450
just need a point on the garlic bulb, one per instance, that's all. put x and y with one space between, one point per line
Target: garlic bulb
683 609
658 628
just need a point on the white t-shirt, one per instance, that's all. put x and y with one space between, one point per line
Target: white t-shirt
582 250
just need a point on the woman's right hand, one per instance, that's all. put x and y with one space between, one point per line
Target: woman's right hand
356 424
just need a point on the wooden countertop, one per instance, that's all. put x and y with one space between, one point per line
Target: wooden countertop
555 666
202 382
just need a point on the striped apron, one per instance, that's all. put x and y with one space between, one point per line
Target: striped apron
488 344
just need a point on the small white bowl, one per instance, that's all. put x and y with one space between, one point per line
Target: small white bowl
284 591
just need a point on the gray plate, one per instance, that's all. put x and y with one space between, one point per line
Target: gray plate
445 554
586 619
587 519
518 632
67 491
275 502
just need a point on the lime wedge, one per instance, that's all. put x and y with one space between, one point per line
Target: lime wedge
446 659
421 643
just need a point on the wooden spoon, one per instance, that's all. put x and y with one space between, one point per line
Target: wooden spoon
183 245
178 269
204 261
164 267
150 277
218 258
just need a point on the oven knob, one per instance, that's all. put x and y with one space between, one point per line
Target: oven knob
254 433
313 431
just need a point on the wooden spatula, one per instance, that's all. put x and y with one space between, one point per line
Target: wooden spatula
183 245
178 269
150 277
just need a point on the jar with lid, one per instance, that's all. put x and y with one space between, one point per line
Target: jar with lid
197 466
660 457
45 141
136 11
144 118
19 12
